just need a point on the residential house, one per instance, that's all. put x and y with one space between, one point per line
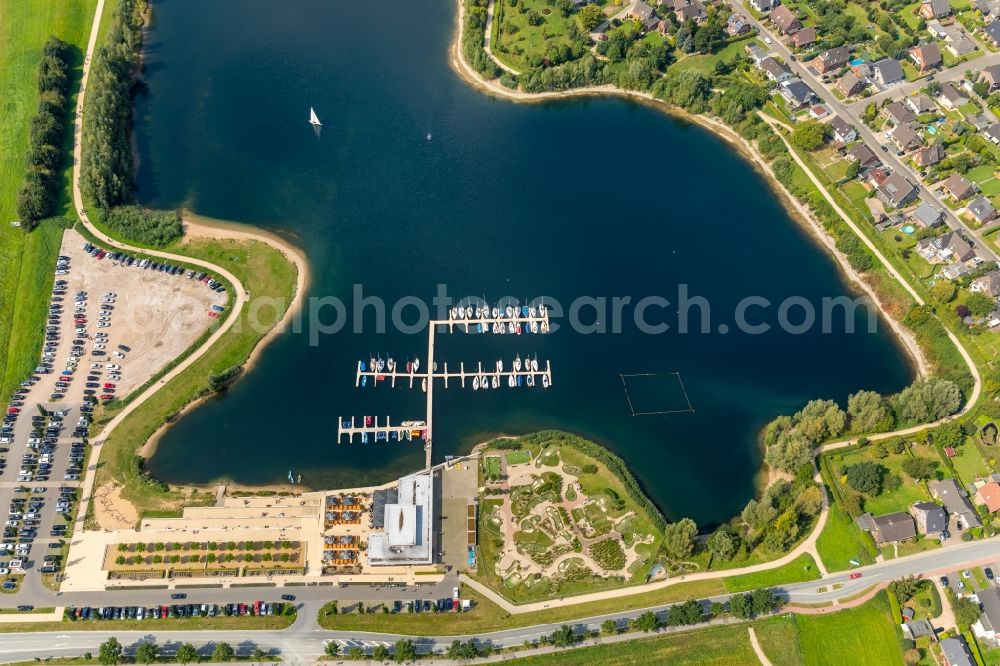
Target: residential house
755 53
991 76
935 9
993 133
804 37
947 248
928 156
956 652
796 93
956 501
988 284
957 187
785 20
696 12
914 629
850 84
842 130
737 25
988 624
863 155
930 518
981 210
888 72
762 5
920 104
926 57
898 114
988 495
927 215
877 177
640 11
832 59
775 70
936 30
818 111
891 528
896 191
992 32
956 41
905 138
987 7
951 97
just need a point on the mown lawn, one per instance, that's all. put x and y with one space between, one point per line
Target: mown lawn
218 623
706 63
857 636
779 639
715 645
803 568
842 541
27 259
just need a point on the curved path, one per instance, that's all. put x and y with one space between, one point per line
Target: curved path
809 544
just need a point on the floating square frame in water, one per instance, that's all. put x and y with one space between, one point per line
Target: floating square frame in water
649 393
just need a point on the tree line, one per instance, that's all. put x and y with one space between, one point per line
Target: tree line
39 193
106 173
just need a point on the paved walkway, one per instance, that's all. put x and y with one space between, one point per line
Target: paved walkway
488 36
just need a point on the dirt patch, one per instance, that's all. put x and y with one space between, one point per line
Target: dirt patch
111 511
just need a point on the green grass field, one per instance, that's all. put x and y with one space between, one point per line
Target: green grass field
220 623
842 541
801 569
518 457
857 636
719 646
26 260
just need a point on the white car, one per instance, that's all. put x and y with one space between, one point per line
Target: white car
4 572
118 354
95 366
6 440
71 477
767 40
100 345
110 294
112 366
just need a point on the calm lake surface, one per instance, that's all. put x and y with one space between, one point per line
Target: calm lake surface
583 198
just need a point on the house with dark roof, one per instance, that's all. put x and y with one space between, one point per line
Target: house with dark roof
988 624
755 53
927 215
990 76
951 97
930 518
762 5
956 652
935 9
987 7
947 248
929 156
843 131
988 284
992 32
956 41
863 155
831 59
850 84
905 138
993 133
981 210
693 12
737 24
804 37
920 104
892 527
914 629
797 93
888 72
927 56
956 501
775 70
896 190
898 113
785 20
957 187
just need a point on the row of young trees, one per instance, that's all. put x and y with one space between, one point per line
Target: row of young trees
47 137
112 652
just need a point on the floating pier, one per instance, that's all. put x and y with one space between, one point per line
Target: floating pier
374 432
462 374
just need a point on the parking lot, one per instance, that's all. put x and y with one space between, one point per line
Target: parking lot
113 322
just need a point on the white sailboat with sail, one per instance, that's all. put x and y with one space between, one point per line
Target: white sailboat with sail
313 118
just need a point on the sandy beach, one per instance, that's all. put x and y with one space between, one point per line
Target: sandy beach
798 211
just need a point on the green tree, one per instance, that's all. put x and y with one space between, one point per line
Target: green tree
762 601
146 653
110 652
905 588
678 541
380 653
740 606
589 17
869 412
223 652
723 543
186 654
789 453
647 622
980 304
404 650
609 628
966 611
944 291
919 468
928 400
866 477
258 655
810 135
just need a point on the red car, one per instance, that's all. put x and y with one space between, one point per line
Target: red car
101 254
213 315
243 609
854 576
256 608
107 396
13 410
109 386
164 611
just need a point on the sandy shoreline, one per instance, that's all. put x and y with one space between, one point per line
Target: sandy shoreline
200 227
796 209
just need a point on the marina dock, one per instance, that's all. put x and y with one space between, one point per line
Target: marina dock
526 373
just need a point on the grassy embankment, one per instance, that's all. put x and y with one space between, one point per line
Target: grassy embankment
218 623
27 259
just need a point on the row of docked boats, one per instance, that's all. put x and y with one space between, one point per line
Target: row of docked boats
509 319
406 431
379 364
487 381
